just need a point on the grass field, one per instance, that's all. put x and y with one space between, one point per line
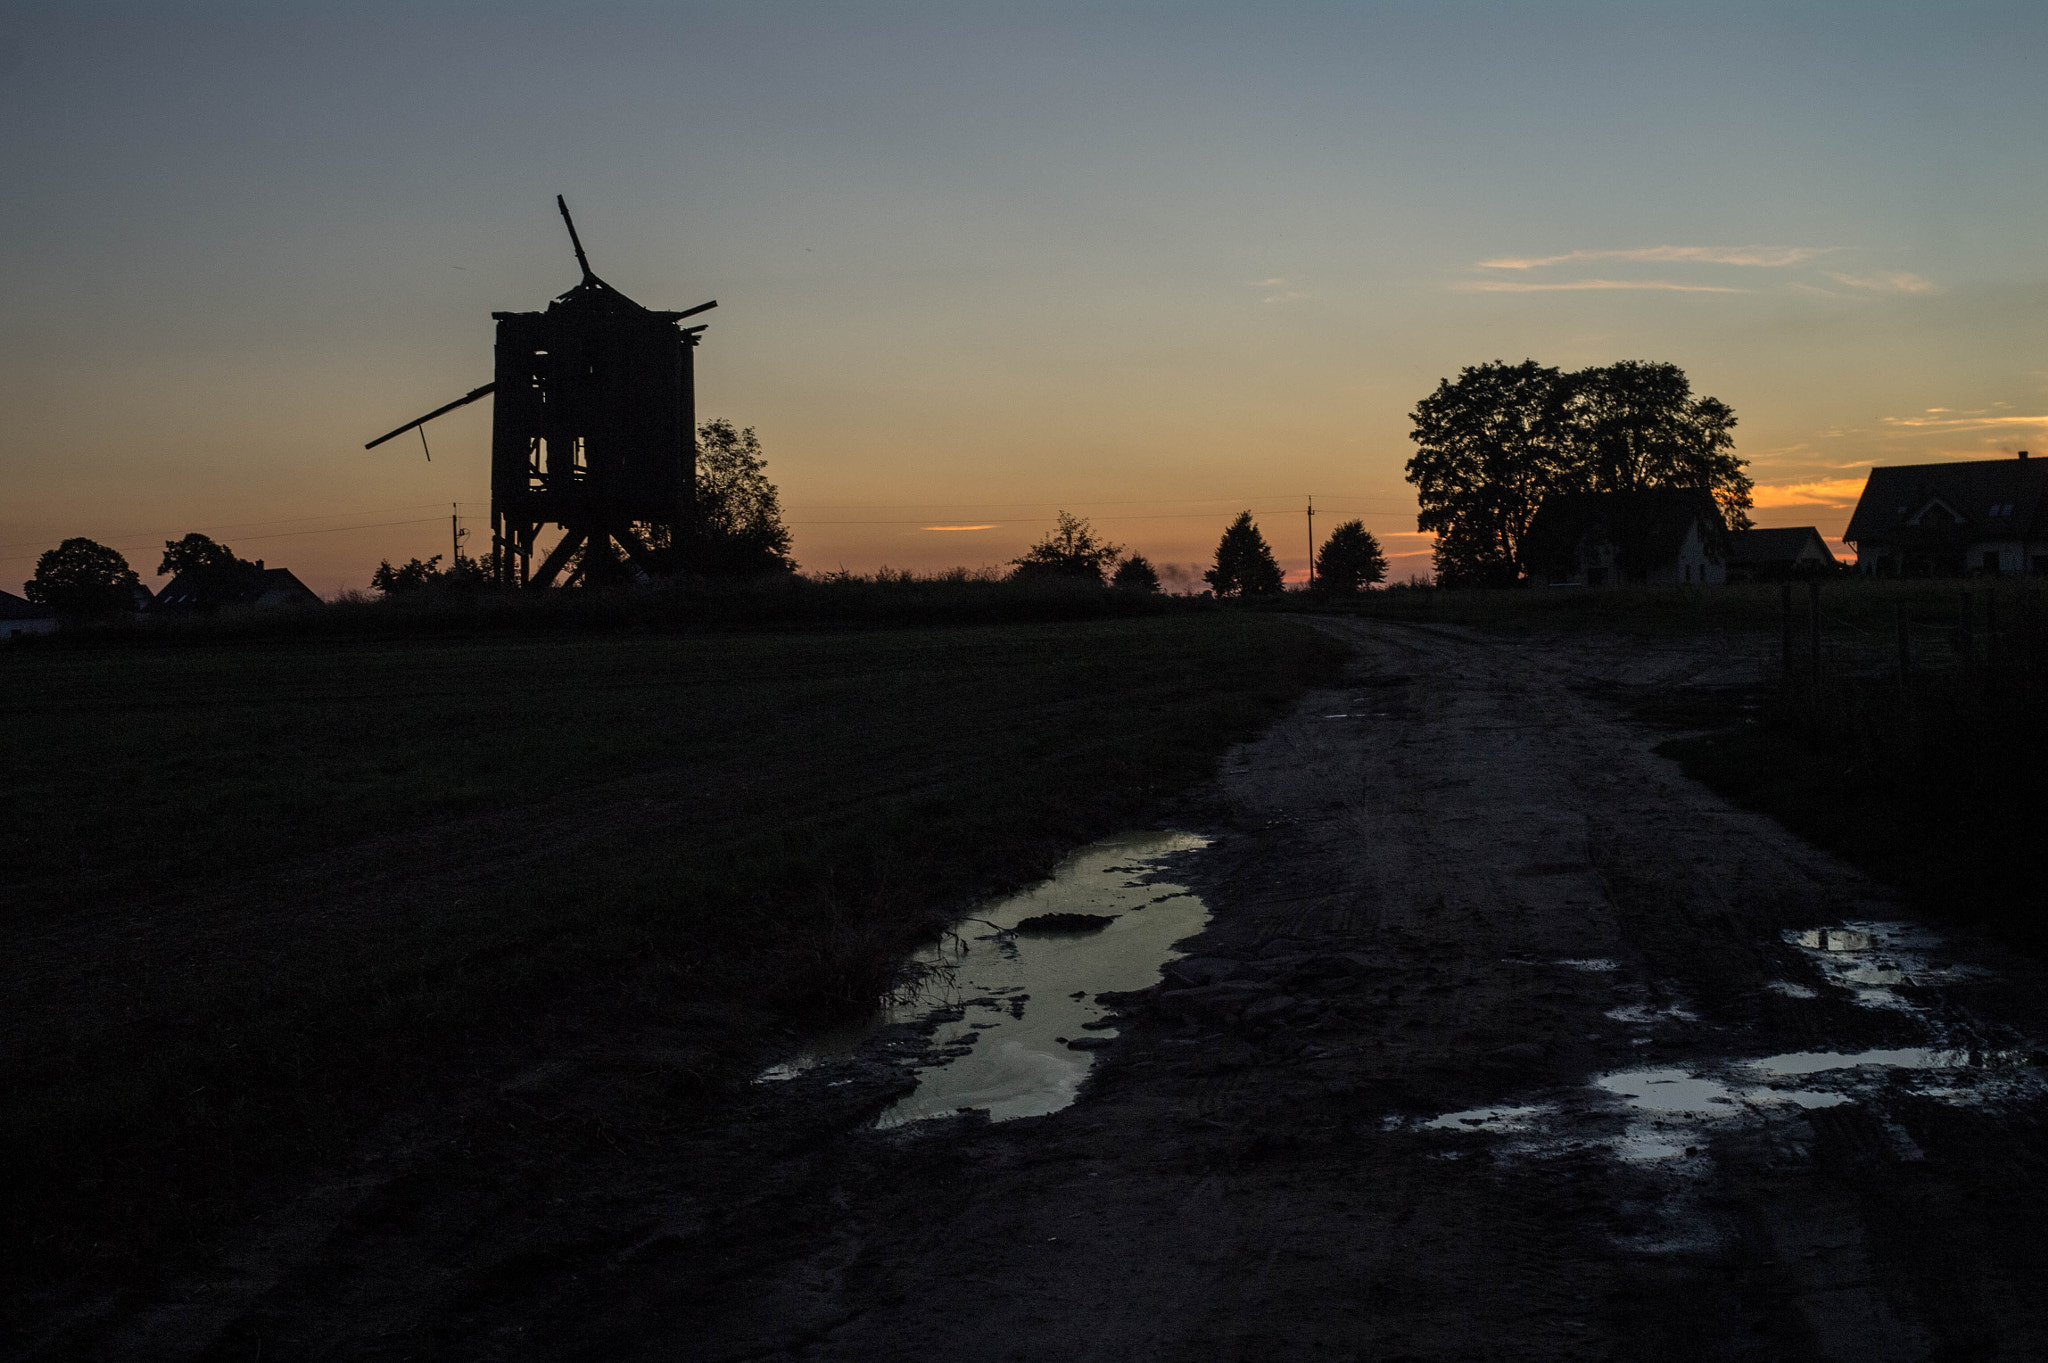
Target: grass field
265 895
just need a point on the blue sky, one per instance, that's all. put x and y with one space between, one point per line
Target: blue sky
978 263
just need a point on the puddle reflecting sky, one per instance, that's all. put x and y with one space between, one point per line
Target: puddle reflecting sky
1017 993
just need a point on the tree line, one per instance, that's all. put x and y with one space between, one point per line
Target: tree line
1497 440
1244 565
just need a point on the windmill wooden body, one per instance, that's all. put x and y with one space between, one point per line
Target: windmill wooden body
593 429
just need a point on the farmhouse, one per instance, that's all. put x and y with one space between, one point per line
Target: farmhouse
1945 520
1610 539
20 617
262 588
1777 555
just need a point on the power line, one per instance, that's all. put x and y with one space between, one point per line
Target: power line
277 535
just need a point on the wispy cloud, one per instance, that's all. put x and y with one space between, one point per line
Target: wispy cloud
1963 423
1521 286
961 527
1887 281
1823 492
1767 256
1288 293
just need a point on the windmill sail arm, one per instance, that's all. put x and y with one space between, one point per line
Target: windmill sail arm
462 401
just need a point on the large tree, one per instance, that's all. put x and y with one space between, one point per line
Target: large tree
1637 425
736 527
1071 549
1245 565
206 565
1495 442
82 579
1487 452
1350 559
738 530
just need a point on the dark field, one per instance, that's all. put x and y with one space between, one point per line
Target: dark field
267 896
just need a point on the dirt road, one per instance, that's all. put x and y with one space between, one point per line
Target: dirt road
1506 1042
1482 890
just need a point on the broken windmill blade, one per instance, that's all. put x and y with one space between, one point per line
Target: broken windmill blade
593 430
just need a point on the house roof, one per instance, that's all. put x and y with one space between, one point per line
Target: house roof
266 584
1897 498
1782 544
1646 526
13 607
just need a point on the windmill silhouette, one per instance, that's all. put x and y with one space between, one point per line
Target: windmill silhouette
593 429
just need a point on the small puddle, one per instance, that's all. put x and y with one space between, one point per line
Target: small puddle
1013 987
1867 959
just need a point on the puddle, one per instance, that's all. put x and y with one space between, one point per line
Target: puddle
1487 1119
1642 1015
1867 959
1011 1002
1669 1091
1909 1058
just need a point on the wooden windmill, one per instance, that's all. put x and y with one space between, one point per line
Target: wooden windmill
594 429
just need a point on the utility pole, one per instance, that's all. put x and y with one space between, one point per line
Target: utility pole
1311 542
455 532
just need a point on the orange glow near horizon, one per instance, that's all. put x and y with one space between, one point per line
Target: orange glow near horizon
976 266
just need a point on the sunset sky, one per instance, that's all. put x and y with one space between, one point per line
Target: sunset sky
1149 263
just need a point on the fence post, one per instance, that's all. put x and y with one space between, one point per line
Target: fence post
1813 626
1991 648
1966 648
1785 625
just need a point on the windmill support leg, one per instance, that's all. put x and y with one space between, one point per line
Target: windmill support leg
637 550
545 575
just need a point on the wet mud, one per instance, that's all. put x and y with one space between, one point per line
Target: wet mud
1500 1040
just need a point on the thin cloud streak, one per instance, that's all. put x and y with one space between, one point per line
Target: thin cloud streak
1888 281
1966 423
1518 286
1825 492
960 527
1768 257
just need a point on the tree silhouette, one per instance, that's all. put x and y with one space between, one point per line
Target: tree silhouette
411 576
1244 562
1070 550
738 530
83 580
206 565
1495 442
1135 574
1636 425
1487 453
1349 559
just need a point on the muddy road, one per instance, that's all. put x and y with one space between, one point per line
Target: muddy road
1505 1041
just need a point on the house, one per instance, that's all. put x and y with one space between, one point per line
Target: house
262 588
1665 535
1945 520
1777 555
19 617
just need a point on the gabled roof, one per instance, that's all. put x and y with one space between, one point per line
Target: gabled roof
1647 527
265 586
1977 490
13 607
1782 544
